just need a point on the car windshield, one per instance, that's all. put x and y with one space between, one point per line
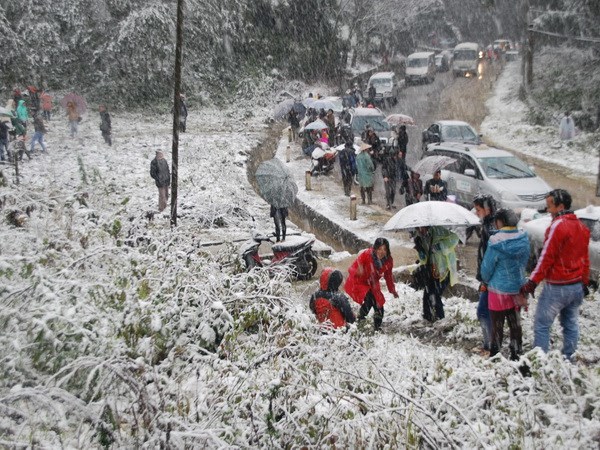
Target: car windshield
417 62
465 55
463 133
381 82
378 123
505 167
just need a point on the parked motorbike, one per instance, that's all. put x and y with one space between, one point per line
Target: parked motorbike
295 254
323 160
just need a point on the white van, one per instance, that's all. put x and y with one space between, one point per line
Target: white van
420 67
386 88
467 56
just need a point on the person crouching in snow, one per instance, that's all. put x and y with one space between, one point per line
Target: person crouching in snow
329 305
363 280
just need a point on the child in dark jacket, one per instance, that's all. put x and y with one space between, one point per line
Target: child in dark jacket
330 305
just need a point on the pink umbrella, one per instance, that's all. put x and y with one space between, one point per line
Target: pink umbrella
400 119
77 100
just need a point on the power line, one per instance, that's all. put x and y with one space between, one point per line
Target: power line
582 39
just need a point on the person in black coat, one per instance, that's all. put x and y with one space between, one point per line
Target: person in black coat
402 141
389 171
159 171
279 215
347 161
105 124
436 188
183 113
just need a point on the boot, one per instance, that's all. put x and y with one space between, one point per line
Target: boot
362 195
370 196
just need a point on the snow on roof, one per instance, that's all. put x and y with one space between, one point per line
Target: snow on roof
466 45
382 75
420 55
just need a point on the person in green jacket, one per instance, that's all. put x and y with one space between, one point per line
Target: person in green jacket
436 247
22 113
365 169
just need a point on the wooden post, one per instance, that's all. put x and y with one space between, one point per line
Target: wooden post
288 154
308 180
353 207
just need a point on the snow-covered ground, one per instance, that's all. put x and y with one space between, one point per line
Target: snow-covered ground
119 330
507 126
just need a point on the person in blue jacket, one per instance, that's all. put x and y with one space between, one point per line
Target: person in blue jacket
503 270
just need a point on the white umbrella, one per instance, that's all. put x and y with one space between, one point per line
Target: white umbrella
431 164
5 112
432 213
323 104
400 119
316 125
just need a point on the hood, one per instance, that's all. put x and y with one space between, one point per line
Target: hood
512 242
159 154
533 186
21 102
331 279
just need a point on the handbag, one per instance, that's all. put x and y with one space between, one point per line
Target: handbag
420 277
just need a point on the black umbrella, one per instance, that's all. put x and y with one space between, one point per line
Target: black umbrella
276 184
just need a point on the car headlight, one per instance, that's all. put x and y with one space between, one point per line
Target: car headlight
509 196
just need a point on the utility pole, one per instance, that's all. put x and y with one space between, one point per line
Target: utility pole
530 42
176 112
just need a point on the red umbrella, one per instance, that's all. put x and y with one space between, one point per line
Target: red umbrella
78 100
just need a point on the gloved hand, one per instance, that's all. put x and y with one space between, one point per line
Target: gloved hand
528 288
586 291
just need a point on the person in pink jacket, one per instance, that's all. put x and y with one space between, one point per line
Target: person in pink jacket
364 274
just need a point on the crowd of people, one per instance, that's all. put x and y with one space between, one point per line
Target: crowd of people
502 258
34 107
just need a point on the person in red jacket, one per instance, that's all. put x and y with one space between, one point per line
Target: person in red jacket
363 280
330 305
564 264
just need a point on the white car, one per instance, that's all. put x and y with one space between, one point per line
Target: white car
590 216
480 169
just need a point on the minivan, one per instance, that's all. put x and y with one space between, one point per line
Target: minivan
420 67
386 87
467 56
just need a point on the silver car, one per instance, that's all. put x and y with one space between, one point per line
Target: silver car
479 169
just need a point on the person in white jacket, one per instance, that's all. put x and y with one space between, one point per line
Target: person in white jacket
566 130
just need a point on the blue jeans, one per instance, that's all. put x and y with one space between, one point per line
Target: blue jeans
37 137
483 315
563 300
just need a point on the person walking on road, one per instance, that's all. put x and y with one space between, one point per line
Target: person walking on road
363 284
347 161
564 265
366 170
503 271
159 171
402 141
279 215
485 208
389 171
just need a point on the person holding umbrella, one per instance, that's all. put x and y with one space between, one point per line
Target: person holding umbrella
436 188
436 248
363 284
279 215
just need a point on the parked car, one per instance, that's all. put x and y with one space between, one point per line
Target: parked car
441 63
386 88
511 55
503 45
420 67
590 216
449 130
467 56
479 169
359 118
